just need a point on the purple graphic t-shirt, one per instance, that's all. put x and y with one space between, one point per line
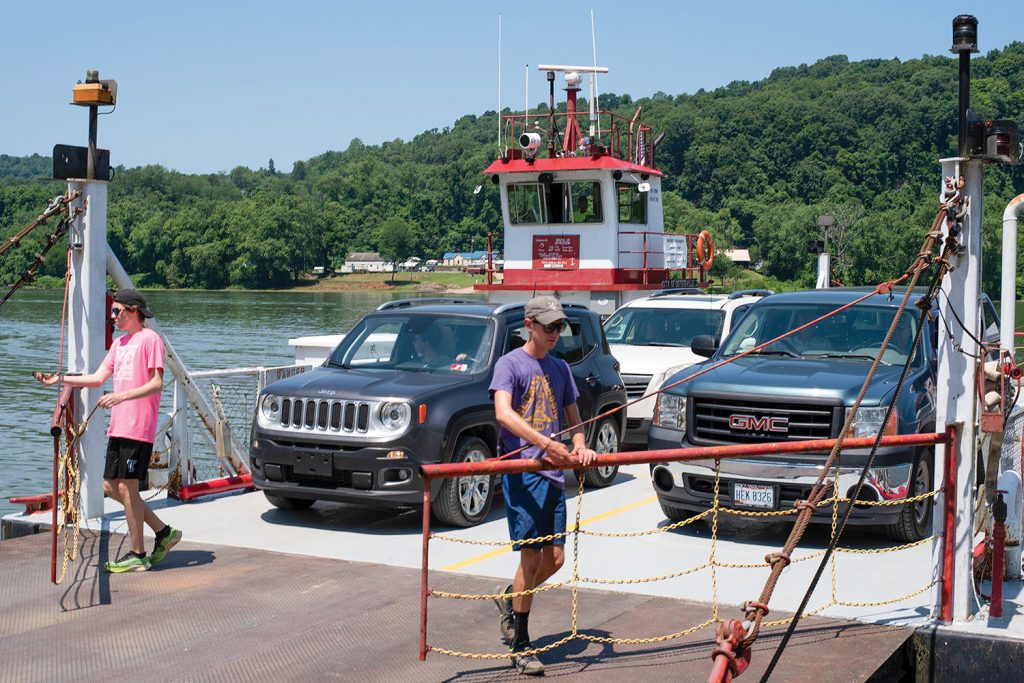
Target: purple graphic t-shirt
541 389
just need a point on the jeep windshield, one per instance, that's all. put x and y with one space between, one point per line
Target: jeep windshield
662 326
417 342
855 333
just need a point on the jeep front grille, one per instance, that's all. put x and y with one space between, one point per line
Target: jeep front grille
324 415
636 385
760 421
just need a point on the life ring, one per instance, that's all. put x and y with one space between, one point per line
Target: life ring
705 250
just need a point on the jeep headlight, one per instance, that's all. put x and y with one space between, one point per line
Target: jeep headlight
394 416
671 412
867 422
270 408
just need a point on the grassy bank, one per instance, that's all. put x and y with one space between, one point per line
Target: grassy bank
403 282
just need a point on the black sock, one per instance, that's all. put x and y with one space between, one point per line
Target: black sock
163 532
522 637
141 555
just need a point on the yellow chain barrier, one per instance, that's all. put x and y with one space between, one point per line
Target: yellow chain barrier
69 506
712 563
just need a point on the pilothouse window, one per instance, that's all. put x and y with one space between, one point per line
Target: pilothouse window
632 203
535 203
524 203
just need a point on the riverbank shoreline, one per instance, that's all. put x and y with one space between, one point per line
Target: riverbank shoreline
453 284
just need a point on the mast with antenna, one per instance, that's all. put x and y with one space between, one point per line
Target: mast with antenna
593 83
500 150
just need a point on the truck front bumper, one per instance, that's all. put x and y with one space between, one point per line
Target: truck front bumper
691 485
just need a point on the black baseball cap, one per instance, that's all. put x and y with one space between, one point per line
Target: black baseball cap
133 298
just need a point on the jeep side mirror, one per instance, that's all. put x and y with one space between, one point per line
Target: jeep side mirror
704 345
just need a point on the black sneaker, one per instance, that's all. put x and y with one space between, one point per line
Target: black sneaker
527 665
506 623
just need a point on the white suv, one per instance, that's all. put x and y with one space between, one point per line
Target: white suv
650 338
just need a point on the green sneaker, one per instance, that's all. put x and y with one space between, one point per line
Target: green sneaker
129 562
162 545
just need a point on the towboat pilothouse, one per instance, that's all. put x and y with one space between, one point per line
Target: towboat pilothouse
582 209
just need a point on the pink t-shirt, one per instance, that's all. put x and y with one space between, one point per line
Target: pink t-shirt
131 360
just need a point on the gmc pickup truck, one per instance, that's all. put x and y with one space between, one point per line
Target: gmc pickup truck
802 387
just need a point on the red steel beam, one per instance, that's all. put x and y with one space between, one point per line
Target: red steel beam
949 531
423 571
208 488
494 466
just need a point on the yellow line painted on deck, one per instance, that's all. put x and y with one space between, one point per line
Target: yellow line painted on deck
584 522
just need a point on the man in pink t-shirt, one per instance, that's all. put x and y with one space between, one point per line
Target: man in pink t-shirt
136 362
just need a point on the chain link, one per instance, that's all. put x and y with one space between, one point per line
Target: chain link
712 563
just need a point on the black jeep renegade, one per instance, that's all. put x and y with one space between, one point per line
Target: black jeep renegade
408 385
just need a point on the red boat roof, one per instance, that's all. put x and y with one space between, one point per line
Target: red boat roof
583 163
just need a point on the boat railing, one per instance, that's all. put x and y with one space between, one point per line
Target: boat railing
615 136
187 453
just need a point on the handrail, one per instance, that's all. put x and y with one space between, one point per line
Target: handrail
520 123
59 418
514 466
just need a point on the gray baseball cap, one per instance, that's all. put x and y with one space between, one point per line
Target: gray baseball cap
544 309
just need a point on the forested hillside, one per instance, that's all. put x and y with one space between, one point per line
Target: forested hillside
754 163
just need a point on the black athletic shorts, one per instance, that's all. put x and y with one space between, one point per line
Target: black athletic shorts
127 459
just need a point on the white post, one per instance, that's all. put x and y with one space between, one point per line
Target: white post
181 455
824 271
87 315
956 394
1010 480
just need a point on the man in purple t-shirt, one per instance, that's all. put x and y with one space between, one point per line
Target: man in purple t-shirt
531 392
136 362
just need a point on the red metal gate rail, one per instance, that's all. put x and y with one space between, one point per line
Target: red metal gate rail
497 466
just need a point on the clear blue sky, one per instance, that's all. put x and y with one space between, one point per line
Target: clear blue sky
207 86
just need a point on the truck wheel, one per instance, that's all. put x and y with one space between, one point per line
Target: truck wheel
284 503
674 514
465 501
915 520
605 440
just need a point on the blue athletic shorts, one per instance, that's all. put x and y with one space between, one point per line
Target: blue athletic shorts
535 507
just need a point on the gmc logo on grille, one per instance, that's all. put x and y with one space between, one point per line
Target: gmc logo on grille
749 423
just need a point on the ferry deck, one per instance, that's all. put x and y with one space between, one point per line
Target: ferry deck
333 593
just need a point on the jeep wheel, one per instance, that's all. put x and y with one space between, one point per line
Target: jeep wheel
465 501
605 440
915 520
285 503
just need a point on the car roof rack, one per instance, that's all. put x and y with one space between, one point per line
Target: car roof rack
750 292
424 301
522 304
677 290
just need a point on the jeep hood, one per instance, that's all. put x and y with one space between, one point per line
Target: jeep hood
327 382
835 379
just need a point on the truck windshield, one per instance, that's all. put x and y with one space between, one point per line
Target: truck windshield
662 326
416 343
855 333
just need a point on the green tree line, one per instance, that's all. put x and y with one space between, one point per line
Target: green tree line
755 163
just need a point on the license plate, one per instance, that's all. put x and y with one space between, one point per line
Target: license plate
754 496
318 464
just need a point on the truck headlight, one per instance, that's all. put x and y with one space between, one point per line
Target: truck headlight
867 422
395 416
671 412
270 408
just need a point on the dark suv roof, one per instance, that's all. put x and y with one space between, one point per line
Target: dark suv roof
844 295
474 307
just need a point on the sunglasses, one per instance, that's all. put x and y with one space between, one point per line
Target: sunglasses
116 310
556 326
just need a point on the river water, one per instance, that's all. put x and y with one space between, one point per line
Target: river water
209 330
